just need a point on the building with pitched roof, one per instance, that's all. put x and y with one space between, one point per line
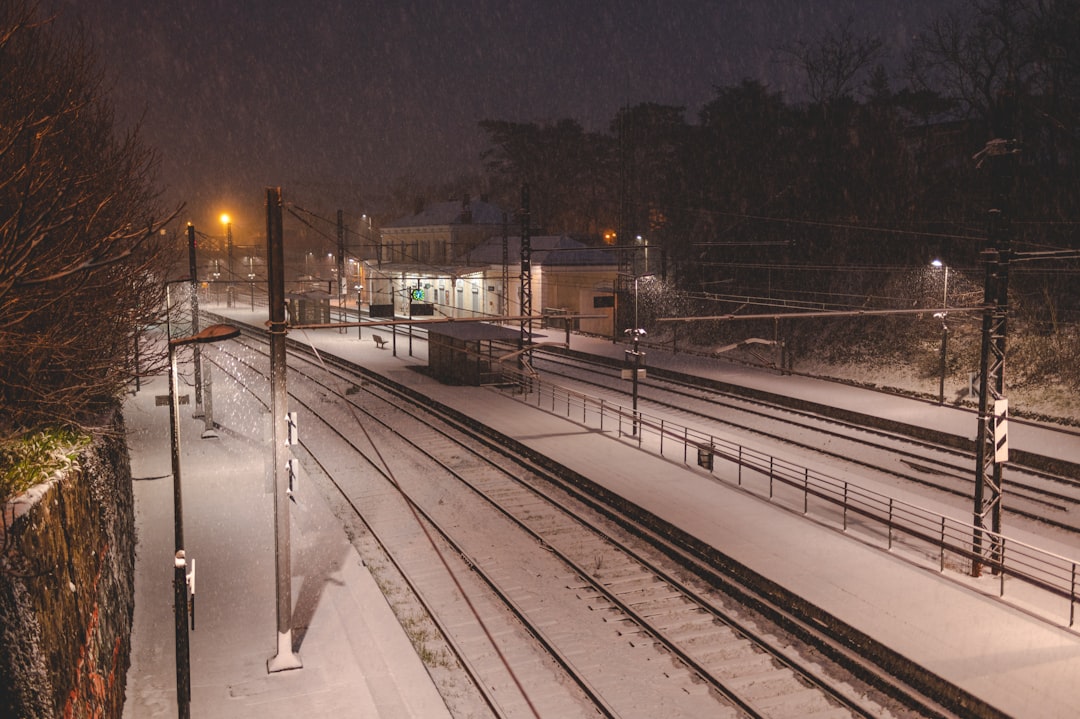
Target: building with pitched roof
454 259
438 232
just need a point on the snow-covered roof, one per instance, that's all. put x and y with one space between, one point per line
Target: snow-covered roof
453 212
549 250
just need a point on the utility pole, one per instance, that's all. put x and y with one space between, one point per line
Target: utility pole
193 272
526 277
180 585
342 280
627 227
275 270
229 256
504 300
204 395
1001 155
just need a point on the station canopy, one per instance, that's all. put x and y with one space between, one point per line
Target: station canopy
477 332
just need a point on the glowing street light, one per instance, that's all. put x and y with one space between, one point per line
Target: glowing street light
213 333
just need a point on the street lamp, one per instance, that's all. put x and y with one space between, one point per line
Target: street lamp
213 333
215 275
636 333
227 221
944 327
251 280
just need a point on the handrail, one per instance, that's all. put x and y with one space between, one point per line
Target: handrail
841 502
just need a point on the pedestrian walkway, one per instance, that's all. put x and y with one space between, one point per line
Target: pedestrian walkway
357 659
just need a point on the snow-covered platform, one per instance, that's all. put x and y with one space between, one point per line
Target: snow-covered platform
357 660
1011 658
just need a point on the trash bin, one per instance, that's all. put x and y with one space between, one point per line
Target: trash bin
705 456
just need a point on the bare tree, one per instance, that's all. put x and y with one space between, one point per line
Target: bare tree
977 55
82 258
836 64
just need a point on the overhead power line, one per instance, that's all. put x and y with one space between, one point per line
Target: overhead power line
827 313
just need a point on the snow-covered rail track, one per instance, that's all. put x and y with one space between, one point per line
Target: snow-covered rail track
1034 493
552 609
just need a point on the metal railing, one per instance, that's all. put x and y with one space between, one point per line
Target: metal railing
932 538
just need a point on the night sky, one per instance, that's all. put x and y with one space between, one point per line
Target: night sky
335 100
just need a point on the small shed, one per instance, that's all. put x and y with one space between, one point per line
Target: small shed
309 308
467 353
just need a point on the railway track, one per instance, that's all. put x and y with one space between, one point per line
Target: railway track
1047 497
551 608
1033 494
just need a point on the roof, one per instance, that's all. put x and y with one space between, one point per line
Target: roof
548 250
471 331
452 212
309 295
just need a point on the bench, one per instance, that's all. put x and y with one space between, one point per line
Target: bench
380 341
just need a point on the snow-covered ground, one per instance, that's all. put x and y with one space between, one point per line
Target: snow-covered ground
999 652
357 659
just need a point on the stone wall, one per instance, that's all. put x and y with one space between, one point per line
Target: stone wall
67 592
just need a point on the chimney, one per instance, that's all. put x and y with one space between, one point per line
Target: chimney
418 206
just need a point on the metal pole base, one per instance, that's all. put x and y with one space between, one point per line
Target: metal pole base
286 658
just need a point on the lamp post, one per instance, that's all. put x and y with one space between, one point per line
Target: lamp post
944 328
359 302
636 333
216 275
213 333
227 221
251 280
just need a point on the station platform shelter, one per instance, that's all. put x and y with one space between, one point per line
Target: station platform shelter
309 308
471 353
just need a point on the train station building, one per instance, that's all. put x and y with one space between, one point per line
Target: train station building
458 258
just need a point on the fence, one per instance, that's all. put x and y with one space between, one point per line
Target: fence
945 542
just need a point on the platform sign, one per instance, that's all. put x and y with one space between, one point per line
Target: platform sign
292 469
293 436
1001 430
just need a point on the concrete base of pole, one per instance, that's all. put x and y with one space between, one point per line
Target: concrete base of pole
286 658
